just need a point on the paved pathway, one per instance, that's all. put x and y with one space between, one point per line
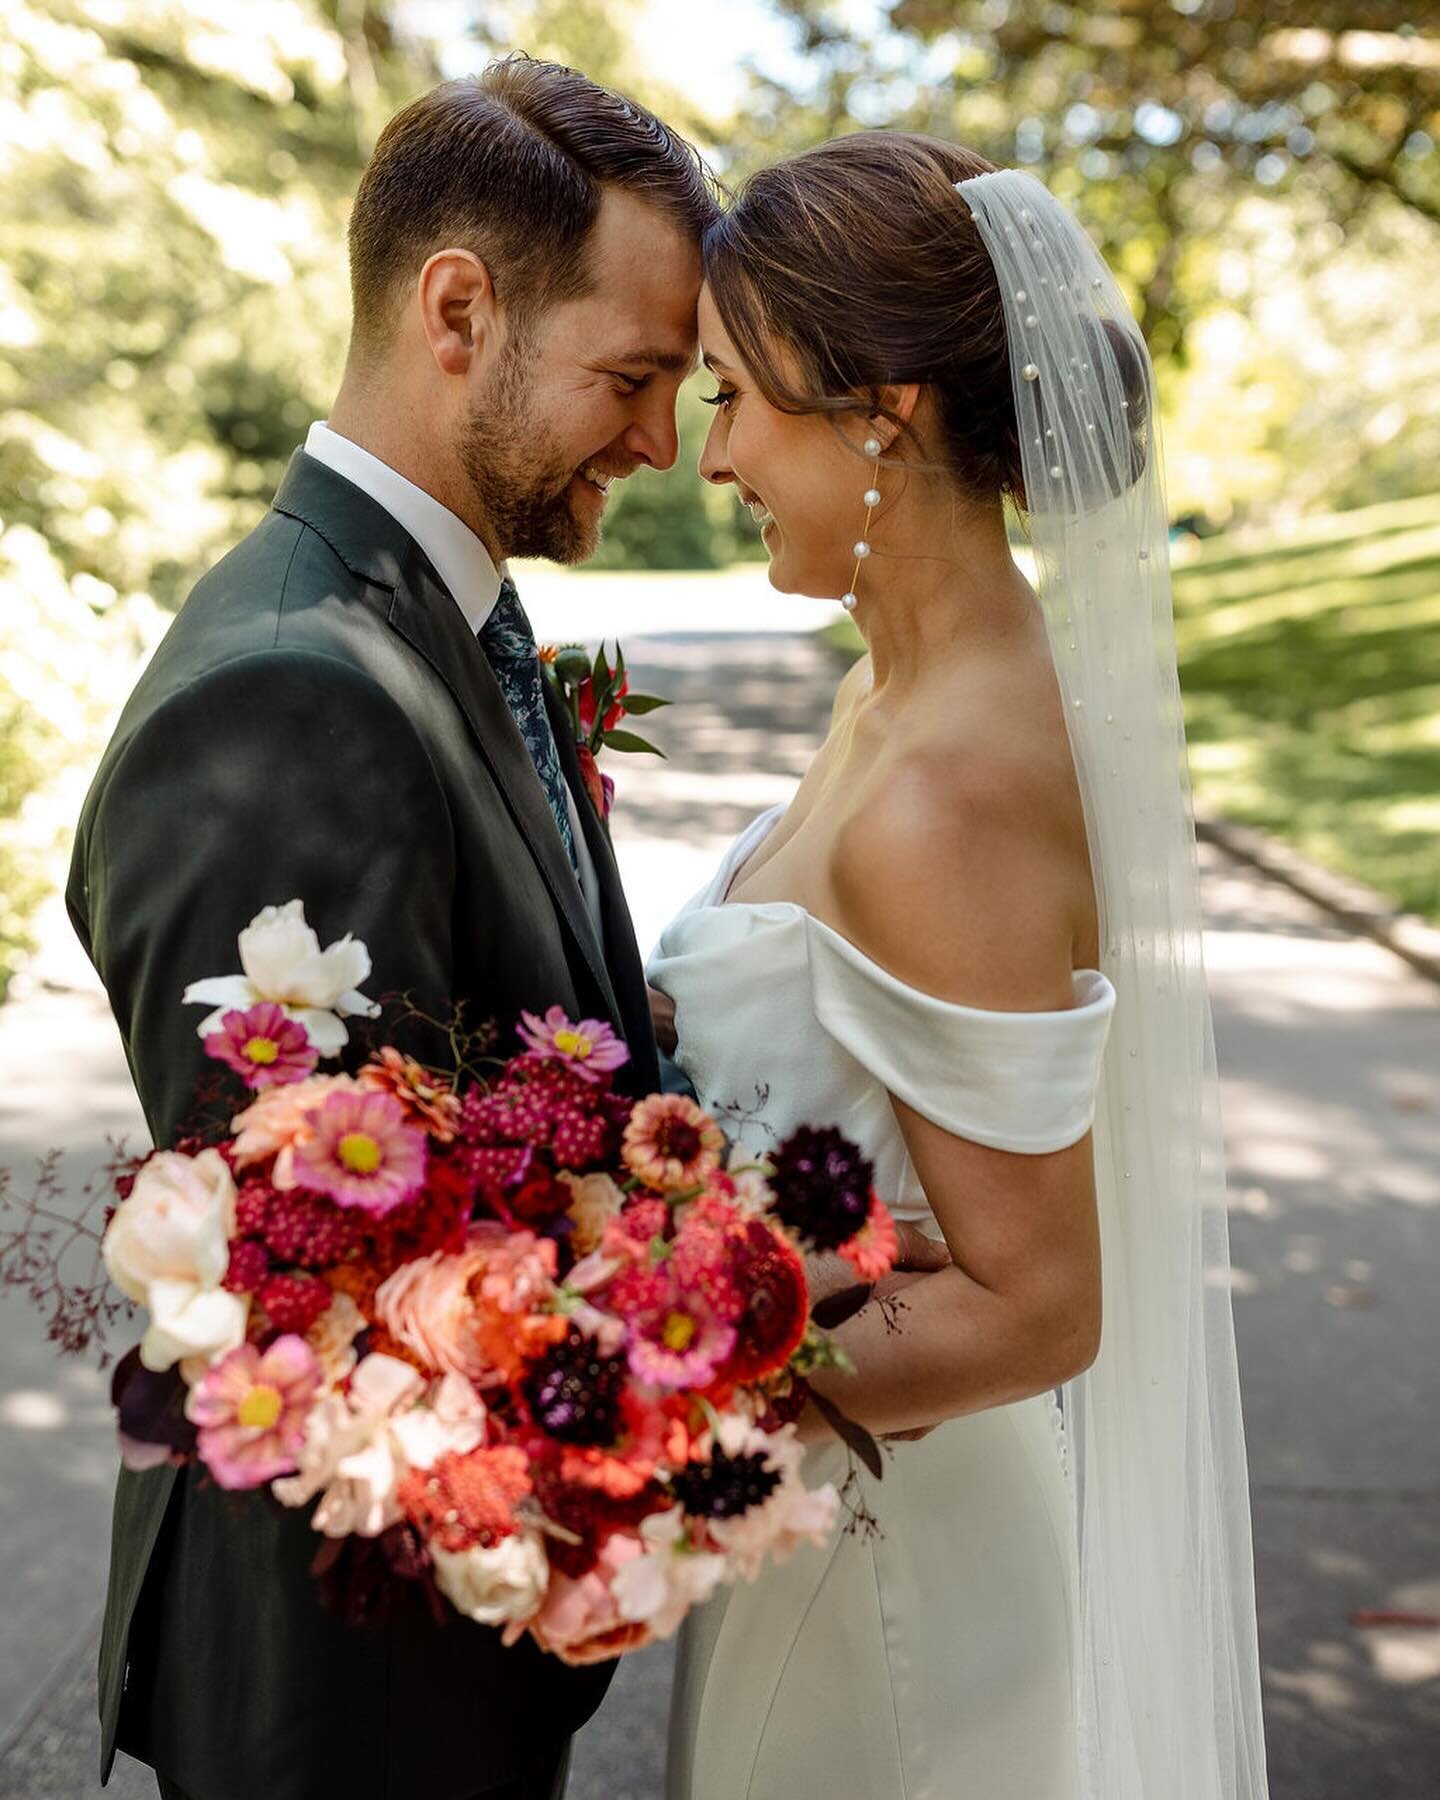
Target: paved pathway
1330 1054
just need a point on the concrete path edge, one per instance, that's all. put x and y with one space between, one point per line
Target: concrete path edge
1359 908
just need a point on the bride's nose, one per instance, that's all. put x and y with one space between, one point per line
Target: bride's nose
713 464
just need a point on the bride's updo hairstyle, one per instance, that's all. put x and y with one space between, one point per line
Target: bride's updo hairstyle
856 266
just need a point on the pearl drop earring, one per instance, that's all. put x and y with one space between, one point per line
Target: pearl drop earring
871 498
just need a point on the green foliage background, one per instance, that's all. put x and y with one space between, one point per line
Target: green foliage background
173 293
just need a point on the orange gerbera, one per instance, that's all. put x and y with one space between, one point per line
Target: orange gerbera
428 1097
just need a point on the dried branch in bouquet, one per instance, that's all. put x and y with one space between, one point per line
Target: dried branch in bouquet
40 1235
745 1121
471 1047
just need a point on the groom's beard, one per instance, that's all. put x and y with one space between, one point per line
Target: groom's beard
520 475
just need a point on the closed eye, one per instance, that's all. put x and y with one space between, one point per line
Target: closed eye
723 398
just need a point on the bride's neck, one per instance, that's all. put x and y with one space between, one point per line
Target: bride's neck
939 584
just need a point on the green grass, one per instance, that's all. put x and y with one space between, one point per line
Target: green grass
1310 664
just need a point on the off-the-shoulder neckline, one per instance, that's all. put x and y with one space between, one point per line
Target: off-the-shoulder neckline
724 881
1089 977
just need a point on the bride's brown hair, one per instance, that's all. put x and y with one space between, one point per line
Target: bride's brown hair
856 266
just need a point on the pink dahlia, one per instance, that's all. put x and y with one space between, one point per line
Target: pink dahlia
362 1152
262 1046
671 1144
591 1049
251 1408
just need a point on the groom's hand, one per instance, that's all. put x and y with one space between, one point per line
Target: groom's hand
830 1275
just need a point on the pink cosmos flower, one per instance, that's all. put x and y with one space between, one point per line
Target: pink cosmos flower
280 1119
363 1152
580 1621
591 1049
251 1408
264 1047
679 1341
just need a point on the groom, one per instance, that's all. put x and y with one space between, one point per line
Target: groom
348 711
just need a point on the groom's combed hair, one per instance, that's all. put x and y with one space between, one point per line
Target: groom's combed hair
512 165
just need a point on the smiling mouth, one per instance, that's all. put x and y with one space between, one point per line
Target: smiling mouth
759 512
597 478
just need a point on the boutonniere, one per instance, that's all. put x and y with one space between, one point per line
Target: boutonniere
597 697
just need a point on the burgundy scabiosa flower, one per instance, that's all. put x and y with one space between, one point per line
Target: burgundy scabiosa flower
822 1185
726 1486
574 1392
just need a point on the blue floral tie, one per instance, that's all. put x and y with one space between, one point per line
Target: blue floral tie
509 643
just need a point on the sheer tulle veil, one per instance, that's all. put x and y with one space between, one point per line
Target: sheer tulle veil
1169 1683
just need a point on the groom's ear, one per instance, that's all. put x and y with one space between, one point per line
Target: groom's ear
458 310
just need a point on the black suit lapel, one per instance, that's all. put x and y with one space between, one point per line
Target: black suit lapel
375 546
427 617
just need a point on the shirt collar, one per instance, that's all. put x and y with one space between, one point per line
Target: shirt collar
461 561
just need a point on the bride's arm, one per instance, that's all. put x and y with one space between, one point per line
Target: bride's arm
979 895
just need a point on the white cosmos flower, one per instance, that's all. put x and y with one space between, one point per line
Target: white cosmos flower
283 963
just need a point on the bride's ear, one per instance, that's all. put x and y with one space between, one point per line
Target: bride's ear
897 401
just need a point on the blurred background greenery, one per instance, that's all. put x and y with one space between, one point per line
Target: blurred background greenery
1263 175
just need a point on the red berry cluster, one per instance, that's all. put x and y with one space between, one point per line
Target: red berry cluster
294 1302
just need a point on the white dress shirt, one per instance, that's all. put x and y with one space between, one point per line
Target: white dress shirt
461 561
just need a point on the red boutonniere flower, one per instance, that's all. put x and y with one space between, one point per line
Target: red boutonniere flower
597 697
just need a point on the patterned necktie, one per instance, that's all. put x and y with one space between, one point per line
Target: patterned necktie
509 643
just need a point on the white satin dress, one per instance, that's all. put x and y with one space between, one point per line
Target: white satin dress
938 1658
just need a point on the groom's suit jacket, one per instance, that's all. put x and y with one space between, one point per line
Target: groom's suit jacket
320 723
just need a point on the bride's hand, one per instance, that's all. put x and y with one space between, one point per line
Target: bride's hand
662 1017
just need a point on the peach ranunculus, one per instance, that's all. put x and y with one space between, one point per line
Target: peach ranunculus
477 1311
360 1445
581 1621
594 1201
166 1249
279 1119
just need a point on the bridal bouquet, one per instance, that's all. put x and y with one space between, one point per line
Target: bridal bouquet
512 1336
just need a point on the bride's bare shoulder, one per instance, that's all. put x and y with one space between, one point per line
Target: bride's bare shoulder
964 871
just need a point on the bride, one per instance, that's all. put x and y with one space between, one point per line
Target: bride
971 942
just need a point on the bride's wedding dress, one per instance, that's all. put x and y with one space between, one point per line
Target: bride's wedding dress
937 1656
